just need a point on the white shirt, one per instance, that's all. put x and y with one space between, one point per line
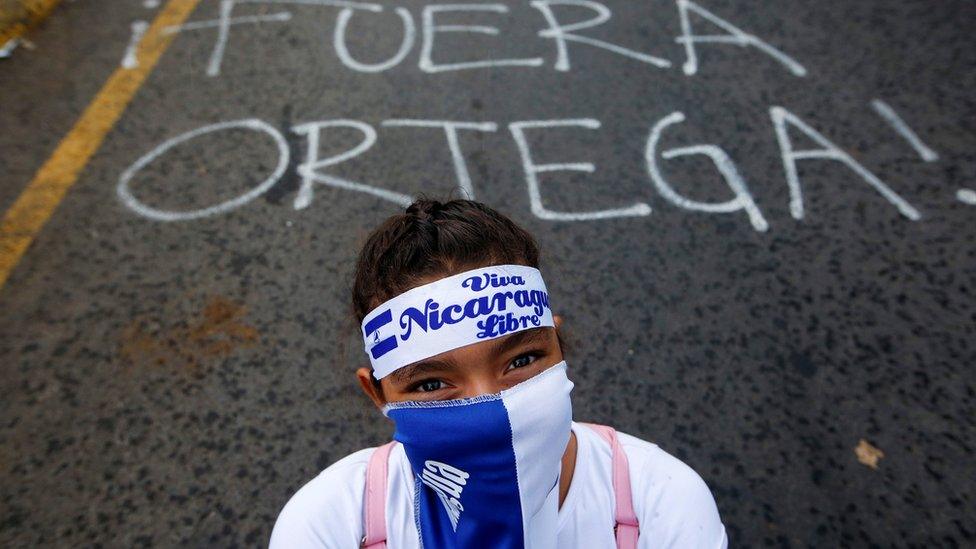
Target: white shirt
673 505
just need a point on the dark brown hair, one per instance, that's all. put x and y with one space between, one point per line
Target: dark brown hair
434 239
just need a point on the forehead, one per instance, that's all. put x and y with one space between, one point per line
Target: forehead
454 358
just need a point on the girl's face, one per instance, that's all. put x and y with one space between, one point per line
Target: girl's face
481 368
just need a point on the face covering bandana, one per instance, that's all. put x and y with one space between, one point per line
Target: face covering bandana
486 468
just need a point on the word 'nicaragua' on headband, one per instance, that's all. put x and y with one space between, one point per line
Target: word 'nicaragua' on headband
452 312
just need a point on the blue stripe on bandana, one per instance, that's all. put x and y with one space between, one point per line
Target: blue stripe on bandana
463 460
380 347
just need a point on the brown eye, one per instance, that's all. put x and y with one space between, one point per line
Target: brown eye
429 385
522 361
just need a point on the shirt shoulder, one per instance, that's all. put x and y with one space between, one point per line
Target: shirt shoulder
327 511
674 506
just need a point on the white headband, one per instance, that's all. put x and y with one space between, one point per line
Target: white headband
452 312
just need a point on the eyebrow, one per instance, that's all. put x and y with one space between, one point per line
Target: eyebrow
500 346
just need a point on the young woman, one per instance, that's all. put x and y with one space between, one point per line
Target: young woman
467 360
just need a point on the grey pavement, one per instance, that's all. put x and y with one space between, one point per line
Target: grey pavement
172 383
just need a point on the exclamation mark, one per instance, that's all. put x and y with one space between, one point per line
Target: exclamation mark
966 196
130 60
902 128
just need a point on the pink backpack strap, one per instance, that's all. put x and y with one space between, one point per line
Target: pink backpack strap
374 498
627 528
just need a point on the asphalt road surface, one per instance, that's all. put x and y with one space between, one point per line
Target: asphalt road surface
757 221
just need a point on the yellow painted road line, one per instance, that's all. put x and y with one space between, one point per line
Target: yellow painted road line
18 16
42 195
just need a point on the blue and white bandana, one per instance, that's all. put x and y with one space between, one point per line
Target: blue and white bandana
452 312
486 468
